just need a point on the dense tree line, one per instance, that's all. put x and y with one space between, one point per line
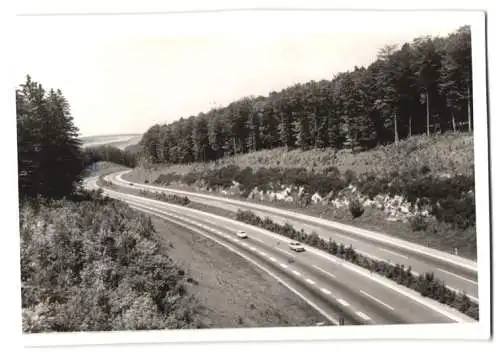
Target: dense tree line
109 153
423 87
50 161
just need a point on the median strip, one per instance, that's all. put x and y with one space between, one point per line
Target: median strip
426 284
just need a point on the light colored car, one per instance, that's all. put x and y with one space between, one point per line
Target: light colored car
241 234
296 246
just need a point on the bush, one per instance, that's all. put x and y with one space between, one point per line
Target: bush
418 223
356 208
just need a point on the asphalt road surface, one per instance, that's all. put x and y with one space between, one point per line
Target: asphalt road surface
335 288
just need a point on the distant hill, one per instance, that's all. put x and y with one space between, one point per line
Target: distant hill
120 141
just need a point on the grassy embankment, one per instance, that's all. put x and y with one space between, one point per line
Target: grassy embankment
434 173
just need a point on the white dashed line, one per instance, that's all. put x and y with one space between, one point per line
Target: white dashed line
296 273
283 265
324 290
376 300
362 315
272 259
244 244
261 253
286 252
311 282
324 271
460 277
342 302
394 253
253 248
475 299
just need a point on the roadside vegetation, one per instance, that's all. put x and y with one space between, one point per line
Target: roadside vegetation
169 198
109 153
445 154
426 283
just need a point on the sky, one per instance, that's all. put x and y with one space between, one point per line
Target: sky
122 74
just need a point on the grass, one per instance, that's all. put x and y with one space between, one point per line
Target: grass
451 153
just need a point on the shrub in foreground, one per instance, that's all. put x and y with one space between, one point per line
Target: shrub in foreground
356 208
97 266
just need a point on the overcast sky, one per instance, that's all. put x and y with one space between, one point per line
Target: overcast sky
123 74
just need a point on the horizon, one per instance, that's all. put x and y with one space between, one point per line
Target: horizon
157 73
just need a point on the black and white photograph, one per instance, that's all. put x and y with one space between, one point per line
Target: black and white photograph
252 175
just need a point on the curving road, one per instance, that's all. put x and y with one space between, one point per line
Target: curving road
333 287
458 273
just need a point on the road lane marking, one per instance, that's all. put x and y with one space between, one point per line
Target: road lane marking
272 259
345 237
460 277
324 271
343 302
311 282
262 253
376 300
324 290
244 244
362 315
253 248
256 238
296 273
283 265
394 253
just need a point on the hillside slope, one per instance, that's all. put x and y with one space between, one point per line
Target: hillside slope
451 154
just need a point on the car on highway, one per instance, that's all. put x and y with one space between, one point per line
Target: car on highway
296 246
241 234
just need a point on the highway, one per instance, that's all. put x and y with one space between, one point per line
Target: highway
333 287
458 273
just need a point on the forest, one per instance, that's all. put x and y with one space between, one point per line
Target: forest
422 87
